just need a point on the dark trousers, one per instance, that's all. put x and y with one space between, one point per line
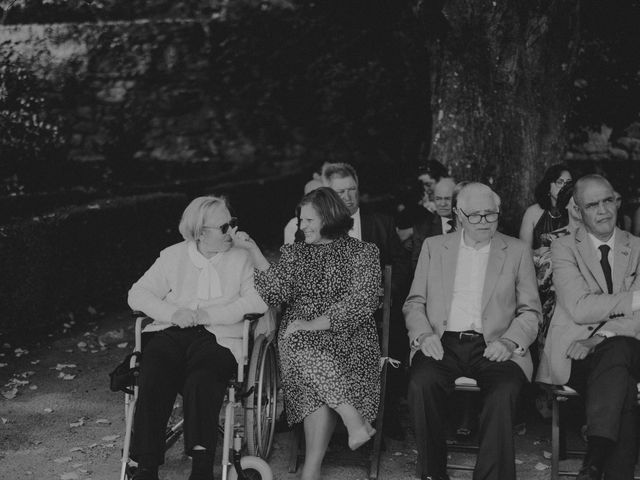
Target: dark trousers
431 383
186 361
607 380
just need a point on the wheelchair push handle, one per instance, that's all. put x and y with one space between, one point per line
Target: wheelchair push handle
252 317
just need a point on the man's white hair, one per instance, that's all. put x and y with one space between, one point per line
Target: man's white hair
475 188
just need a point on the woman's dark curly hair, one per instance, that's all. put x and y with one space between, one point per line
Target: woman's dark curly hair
334 214
541 192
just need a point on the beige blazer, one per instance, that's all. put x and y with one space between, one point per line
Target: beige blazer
581 298
510 302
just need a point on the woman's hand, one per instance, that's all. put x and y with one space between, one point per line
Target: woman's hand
242 239
184 318
294 327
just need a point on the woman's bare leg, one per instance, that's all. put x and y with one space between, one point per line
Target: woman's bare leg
360 430
318 428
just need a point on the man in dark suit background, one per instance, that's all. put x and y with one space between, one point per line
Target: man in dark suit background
437 223
379 229
592 344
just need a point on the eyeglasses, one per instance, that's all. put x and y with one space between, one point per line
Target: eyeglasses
476 218
561 182
224 228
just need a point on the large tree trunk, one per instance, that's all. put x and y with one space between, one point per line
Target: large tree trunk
500 91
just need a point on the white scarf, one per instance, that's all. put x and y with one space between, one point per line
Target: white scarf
209 281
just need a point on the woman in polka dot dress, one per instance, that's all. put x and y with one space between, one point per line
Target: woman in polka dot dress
328 342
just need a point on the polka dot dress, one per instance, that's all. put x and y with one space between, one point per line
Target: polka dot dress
339 280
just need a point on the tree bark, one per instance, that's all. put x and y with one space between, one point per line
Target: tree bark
501 73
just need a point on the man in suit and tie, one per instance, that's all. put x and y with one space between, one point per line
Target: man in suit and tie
379 228
592 343
432 224
472 310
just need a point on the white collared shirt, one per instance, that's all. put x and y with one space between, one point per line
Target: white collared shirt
446 227
356 230
597 243
466 305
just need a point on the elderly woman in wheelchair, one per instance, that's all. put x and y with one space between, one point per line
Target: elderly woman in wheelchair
327 340
197 293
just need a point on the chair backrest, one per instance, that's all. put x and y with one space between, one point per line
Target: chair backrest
385 307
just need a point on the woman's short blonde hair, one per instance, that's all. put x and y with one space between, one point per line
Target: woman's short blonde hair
193 216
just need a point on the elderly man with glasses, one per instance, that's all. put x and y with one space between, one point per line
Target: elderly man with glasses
473 310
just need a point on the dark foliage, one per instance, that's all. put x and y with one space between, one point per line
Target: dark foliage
326 82
607 85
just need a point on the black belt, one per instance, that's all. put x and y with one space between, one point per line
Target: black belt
466 336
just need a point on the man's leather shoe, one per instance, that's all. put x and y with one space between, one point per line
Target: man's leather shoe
144 474
589 472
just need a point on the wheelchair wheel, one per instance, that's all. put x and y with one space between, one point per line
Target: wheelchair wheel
254 468
261 404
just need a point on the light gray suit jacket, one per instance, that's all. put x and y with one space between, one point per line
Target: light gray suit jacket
581 298
510 302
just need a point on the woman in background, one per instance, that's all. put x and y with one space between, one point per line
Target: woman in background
544 216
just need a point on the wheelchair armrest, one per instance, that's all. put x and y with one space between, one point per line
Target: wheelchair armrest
252 317
141 318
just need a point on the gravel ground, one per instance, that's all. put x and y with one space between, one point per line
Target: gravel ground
60 421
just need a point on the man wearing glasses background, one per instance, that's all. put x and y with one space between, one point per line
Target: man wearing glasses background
473 310
437 223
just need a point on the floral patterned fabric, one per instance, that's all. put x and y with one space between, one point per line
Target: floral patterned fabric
542 263
339 280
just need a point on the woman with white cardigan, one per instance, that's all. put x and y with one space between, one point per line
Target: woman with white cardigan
197 292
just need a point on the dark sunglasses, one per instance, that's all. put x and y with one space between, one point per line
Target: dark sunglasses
224 228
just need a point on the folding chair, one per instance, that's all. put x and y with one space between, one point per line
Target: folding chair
559 451
464 384
296 435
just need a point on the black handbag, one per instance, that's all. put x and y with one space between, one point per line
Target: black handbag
123 377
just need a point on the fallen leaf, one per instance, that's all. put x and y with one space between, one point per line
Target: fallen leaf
69 476
33 387
10 394
541 466
75 449
2 365
48 410
546 454
62 366
79 423
519 462
82 344
66 376
4 420
103 421
35 362
93 445
76 465
110 438
123 345
63 459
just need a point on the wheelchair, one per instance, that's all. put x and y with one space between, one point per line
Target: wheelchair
254 392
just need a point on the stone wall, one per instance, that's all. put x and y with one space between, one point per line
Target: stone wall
123 89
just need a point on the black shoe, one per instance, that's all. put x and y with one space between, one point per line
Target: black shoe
142 473
589 472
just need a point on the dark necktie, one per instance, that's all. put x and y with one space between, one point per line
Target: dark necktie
606 267
452 225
